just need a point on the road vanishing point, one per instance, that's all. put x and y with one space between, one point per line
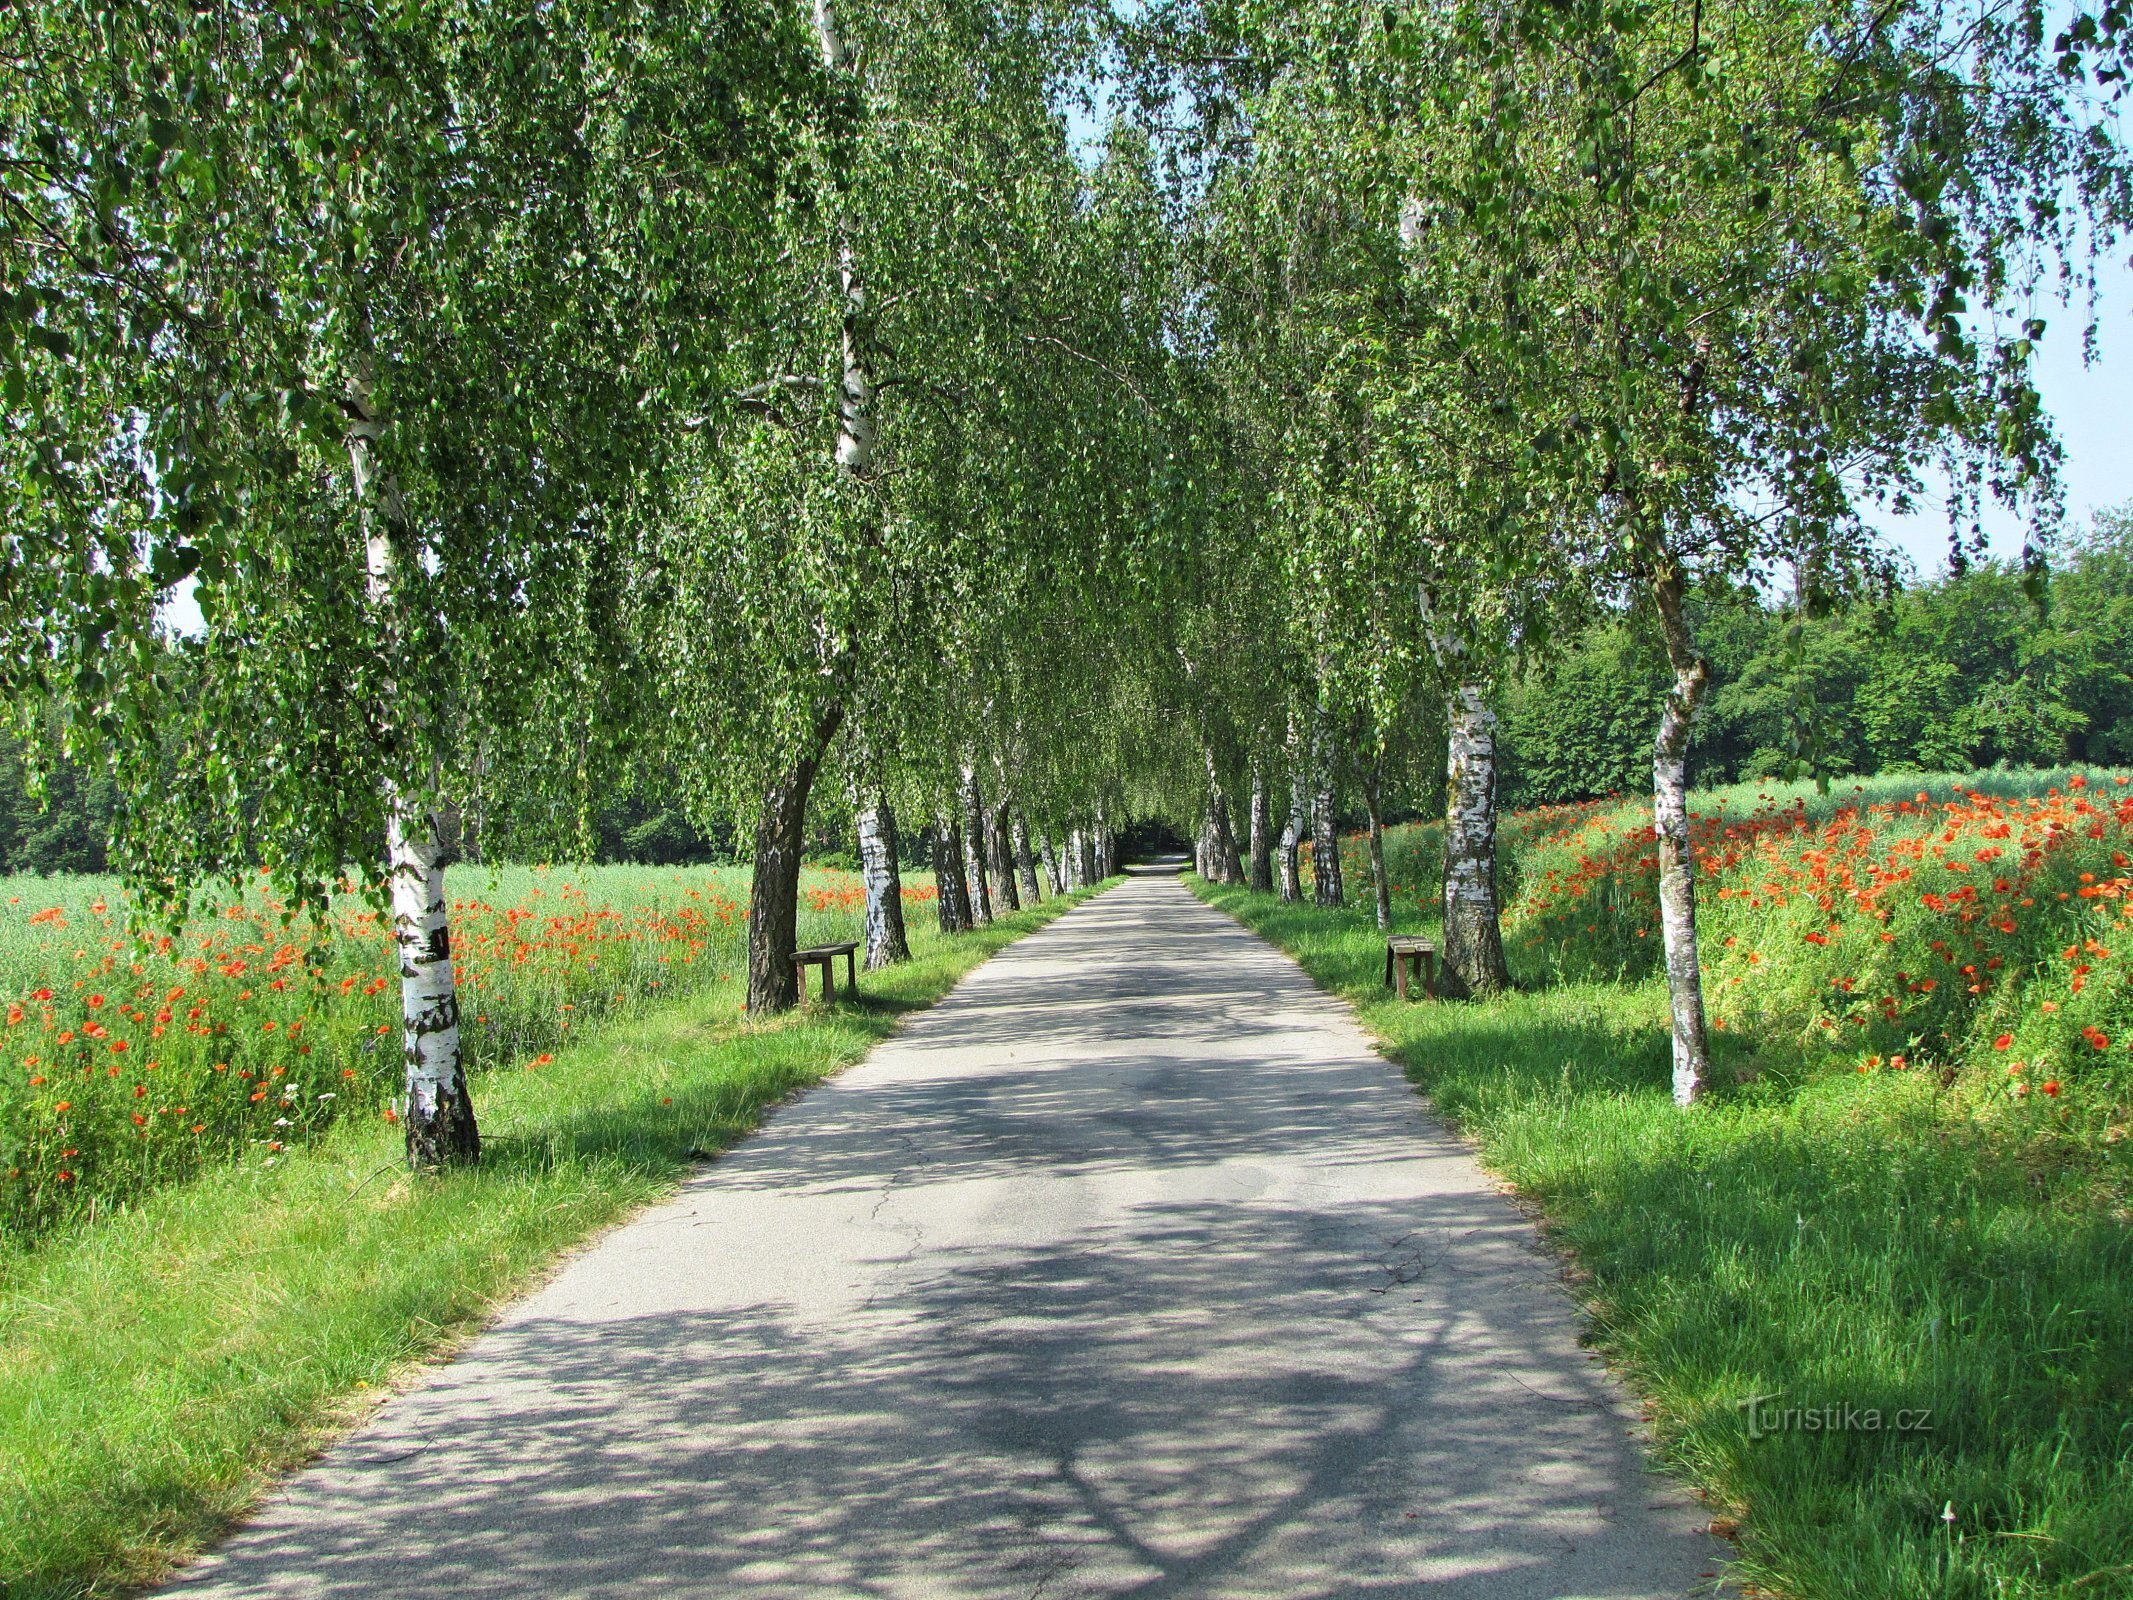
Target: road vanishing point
1130 1269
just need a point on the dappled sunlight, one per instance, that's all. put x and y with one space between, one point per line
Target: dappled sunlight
1127 1270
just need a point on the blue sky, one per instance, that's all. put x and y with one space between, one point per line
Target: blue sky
2092 407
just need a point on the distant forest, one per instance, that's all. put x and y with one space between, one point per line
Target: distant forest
1962 671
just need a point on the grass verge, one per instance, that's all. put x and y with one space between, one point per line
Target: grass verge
1787 1272
159 1365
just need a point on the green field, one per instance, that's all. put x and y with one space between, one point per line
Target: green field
1888 1213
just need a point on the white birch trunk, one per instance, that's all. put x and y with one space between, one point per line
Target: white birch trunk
1326 886
1473 930
438 1112
855 388
1473 917
1075 860
1053 874
887 940
1677 860
1292 836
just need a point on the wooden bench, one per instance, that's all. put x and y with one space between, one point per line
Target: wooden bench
1404 951
825 956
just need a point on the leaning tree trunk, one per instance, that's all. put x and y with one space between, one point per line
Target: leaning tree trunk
774 892
887 942
1023 862
1326 887
1000 858
1054 874
1473 929
973 835
439 1112
1373 795
1262 830
1677 860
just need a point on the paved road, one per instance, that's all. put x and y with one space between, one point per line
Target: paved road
1127 1270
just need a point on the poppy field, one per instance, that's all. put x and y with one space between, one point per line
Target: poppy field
250 1032
1975 929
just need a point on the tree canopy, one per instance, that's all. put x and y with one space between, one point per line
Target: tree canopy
1021 415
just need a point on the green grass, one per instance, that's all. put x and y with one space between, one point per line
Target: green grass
1829 1238
159 1364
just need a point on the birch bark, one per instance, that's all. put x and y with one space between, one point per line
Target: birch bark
1677 860
1262 831
855 388
1292 836
439 1112
1076 860
1326 886
887 940
1023 863
1473 919
774 890
1052 871
1473 929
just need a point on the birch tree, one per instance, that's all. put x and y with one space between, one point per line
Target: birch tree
253 345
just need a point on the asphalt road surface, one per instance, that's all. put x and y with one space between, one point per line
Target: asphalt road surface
1129 1269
